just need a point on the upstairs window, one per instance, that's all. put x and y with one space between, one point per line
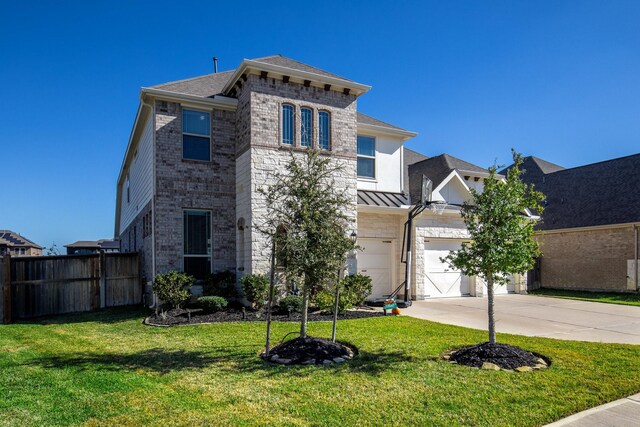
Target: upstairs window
324 124
366 156
196 135
306 136
288 122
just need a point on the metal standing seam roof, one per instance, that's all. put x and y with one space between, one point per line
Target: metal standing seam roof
382 198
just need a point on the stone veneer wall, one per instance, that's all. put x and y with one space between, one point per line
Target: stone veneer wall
259 152
187 184
430 225
592 260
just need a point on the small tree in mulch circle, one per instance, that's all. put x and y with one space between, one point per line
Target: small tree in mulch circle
308 224
501 228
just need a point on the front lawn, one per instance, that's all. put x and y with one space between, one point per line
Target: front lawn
109 369
606 297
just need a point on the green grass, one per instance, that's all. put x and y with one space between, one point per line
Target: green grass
606 297
108 369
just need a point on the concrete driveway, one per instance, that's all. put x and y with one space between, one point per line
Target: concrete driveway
538 316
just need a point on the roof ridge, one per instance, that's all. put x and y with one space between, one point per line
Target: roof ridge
192 78
595 163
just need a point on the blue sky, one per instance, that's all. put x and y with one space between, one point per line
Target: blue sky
556 79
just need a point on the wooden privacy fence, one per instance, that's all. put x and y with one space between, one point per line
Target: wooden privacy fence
40 286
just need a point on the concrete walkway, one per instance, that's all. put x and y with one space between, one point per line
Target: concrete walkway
620 413
538 316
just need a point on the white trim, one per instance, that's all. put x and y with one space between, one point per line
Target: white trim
454 173
247 65
383 130
329 121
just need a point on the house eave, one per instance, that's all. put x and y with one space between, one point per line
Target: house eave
217 101
404 134
248 65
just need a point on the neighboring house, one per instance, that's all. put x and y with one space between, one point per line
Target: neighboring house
200 148
12 243
589 228
86 247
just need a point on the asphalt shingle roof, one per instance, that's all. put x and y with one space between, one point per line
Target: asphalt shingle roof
11 238
209 85
597 194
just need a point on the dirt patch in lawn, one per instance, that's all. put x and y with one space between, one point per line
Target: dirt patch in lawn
196 316
310 351
498 356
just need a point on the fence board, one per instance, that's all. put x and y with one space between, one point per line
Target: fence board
65 284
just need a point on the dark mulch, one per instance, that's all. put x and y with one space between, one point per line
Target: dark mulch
181 316
310 351
504 355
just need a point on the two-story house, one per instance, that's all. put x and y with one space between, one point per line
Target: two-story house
12 243
200 148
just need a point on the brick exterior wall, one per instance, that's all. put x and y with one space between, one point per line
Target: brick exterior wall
186 184
592 260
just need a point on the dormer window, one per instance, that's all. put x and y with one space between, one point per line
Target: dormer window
366 157
324 131
306 131
196 135
288 124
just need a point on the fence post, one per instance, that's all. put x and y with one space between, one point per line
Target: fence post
103 280
6 289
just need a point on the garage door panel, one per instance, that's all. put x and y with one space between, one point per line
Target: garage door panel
440 279
375 260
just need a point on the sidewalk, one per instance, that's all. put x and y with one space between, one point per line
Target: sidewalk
620 413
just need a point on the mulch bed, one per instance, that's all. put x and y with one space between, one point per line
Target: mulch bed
310 351
503 356
181 317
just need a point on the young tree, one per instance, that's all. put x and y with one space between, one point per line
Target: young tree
307 219
501 232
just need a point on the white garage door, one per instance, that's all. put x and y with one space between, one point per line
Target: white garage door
375 260
498 289
440 279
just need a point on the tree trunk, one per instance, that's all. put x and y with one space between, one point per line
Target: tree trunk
272 285
492 320
305 310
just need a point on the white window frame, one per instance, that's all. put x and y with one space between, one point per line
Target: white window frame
375 165
183 109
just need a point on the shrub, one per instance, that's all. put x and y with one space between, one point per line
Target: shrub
173 288
291 304
255 288
222 284
358 287
212 304
354 290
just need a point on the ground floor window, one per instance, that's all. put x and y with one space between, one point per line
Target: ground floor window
197 243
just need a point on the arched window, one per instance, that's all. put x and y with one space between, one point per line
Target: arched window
306 137
288 124
324 125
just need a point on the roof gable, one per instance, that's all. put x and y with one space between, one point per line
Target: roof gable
11 238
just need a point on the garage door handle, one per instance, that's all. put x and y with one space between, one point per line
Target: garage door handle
364 271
